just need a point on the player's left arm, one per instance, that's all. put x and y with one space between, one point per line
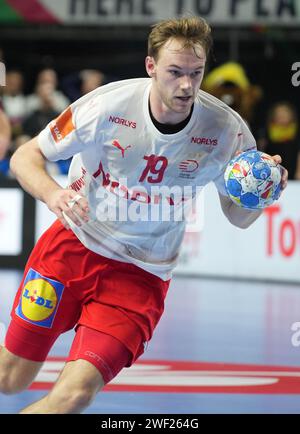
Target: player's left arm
242 217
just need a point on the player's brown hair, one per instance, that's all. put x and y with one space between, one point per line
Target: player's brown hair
191 30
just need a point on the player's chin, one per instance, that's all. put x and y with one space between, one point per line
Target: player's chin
183 105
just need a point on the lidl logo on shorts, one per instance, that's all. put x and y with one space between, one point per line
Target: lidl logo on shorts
39 299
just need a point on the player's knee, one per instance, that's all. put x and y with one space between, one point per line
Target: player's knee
14 380
10 384
80 399
72 400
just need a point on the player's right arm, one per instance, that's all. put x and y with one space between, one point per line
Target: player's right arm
72 132
28 164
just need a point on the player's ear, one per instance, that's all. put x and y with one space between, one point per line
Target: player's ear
150 66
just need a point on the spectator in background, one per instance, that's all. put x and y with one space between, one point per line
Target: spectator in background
59 100
43 113
5 136
282 136
90 80
14 101
39 119
229 83
79 84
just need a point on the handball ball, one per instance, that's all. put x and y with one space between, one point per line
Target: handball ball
252 180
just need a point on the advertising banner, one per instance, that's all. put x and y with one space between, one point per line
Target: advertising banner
11 218
145 12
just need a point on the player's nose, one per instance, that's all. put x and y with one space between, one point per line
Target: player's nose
186 82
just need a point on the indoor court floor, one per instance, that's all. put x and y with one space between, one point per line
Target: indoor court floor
222 346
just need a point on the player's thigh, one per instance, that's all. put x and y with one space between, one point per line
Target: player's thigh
105 352
80 373
95 359
16 373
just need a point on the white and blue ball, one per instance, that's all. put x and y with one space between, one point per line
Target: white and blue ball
253 180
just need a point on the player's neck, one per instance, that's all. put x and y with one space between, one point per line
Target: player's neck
162 113
166 128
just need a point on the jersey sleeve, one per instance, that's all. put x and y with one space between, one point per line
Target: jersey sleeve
73 131
243 140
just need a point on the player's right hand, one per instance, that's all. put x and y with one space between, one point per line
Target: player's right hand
66 201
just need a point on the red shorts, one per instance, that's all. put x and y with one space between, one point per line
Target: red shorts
65 285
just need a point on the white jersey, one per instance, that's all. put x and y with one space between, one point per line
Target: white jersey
121 161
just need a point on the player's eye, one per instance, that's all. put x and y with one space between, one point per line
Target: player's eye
174 72
196 74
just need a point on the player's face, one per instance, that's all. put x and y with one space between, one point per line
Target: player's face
177 75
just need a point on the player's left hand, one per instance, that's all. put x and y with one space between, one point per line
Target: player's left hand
284 173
